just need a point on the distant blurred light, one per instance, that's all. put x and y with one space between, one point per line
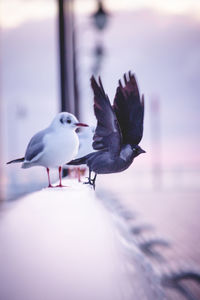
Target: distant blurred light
100 17
21 112
99 50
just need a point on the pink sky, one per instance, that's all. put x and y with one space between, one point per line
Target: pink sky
16 12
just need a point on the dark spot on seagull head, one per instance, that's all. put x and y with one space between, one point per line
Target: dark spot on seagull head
62 120
65 120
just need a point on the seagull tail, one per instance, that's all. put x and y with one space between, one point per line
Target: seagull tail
18 160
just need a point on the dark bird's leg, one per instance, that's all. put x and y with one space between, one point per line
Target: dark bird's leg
50 186
90 180
93 181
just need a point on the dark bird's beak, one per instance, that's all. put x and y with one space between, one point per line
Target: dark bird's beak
142 151
81 125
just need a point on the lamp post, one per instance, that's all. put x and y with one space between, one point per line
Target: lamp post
100 21
67 56
100 17
1 153
156 142
69 100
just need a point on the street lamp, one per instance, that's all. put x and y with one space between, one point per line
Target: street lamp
100 21
100 17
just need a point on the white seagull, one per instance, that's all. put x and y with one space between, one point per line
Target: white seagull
85 141
54 146
85 147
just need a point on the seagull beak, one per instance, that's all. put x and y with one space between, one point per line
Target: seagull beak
81 125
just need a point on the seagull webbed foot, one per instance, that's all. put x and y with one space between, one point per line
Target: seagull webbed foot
50 186
61 186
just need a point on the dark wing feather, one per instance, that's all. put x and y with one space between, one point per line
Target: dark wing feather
18 160
107 134
129 109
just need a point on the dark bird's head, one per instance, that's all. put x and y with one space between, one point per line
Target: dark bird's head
138 150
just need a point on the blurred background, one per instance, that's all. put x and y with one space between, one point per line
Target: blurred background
159 41
50 49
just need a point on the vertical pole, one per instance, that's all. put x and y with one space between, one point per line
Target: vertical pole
63 75
156 143
76 91
1 154
2 181
65 16
68 83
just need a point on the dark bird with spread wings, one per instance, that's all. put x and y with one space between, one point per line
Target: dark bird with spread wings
119 129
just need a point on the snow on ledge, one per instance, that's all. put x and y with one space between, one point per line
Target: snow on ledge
65 244
58 244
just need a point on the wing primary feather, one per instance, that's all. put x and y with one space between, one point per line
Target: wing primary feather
101 85
18 160
142 100
129 109
120 84
125 79
107 133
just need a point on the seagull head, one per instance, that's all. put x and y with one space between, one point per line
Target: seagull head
86 132
138 150
66 120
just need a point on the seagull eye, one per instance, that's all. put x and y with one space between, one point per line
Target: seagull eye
61 120
69 121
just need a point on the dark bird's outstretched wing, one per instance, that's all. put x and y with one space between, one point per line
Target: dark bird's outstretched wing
107 134
129 109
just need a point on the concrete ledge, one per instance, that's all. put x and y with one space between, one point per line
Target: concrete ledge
60 244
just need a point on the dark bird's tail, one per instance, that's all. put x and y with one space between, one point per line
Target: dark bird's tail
16 161
81 160
78 161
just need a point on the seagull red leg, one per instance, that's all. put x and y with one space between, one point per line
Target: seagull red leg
50 185
60 178
78 174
